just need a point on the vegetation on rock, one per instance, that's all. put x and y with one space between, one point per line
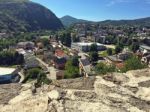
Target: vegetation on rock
23 16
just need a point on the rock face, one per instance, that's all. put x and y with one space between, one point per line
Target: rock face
116 92
24 15
8 91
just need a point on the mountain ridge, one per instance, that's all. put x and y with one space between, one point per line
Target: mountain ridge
140 21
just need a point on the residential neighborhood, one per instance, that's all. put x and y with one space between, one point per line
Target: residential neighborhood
90 47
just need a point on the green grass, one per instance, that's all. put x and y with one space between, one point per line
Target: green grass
44 37
105 54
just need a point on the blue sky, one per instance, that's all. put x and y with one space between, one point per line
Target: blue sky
98 10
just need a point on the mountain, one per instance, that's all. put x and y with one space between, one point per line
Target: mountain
24 15
139 22
68 20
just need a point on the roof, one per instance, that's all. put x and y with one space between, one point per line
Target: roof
24 43
6 71
145 47
59 53
88 43
85 62
31 61
86 65
114 58
120 65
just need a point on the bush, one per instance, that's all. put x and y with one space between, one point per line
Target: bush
102 68
71 71
42 79
109 51
33 73
133 63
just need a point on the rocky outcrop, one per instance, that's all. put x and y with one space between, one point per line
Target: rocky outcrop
116 92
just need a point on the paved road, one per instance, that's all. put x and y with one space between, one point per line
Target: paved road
52 71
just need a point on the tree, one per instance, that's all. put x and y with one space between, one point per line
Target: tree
65 39
93 48
71 71
123 41
109 51
135 46
33 73
94 56
118 49
75 61
75 38
8 58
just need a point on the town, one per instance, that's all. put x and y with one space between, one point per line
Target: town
80 51
74 56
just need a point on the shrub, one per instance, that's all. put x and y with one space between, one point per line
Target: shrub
109 51
42 79
102 68
71 71
133 63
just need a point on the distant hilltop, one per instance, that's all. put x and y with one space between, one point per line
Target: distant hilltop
69 20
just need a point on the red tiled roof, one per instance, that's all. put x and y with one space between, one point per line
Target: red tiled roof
59 53
119 65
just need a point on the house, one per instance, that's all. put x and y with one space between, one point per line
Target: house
59 53
114 60
59 63
118 60
8 75
100 38
144 48
26 45
85 47
85 67
59 60
124 56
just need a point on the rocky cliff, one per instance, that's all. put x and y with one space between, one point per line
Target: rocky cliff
116 92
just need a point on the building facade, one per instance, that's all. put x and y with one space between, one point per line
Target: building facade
85 47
